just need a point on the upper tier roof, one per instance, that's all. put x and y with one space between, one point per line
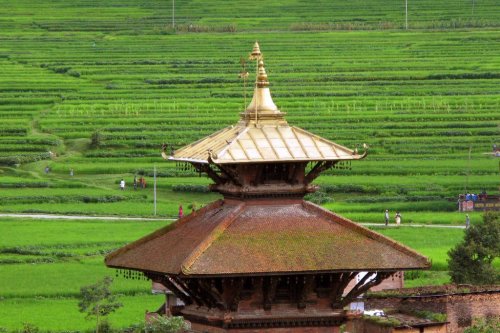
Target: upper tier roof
262 136
263 143
251 237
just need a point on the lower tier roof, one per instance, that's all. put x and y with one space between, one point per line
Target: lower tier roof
264 236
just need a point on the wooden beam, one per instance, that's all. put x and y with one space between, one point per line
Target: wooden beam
209 171
210 289
304 290
362 287
269 285
232 292
198 295
231 174
338 290
317 169
176 289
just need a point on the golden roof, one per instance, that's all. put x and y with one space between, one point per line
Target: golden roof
262 135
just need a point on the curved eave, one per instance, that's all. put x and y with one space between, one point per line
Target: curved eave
355 157
216 161
190 160
186 273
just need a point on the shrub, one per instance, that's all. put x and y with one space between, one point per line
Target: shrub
190 188
471 260
160 324
74 73
318 197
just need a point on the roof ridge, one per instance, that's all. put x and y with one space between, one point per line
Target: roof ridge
329 142
231 143
369 233
210 238
161 231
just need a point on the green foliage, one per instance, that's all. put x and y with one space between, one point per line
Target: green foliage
471 260
489 325
98 301
318 197
383 321
434 316
190 188
96 139
30 328
160 324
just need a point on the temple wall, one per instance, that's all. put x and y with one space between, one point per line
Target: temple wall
198 328
363 326
460 309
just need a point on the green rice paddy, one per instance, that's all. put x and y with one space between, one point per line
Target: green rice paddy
97 87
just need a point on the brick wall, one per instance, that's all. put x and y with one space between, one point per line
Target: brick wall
365 326
460 308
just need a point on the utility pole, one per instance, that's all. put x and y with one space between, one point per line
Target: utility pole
406 14
173 14
154 187
468 170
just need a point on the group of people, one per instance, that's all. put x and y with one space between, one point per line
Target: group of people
475 197
141 182
397 217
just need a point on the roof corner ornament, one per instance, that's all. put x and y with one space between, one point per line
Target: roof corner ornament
365 152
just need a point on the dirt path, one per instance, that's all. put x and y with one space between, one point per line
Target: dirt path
87 217
83 217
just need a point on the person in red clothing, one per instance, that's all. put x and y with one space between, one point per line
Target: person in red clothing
181 212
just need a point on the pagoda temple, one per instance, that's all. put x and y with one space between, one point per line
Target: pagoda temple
262 259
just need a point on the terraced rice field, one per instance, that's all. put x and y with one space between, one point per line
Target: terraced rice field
98 87
420 100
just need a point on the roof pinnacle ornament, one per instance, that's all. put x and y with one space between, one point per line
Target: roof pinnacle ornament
262 81
262 103
256 54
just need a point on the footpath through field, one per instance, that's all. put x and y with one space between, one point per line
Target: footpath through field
86 217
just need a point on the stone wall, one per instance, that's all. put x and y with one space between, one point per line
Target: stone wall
364 326
460 308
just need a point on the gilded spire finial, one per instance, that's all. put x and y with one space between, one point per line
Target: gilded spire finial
262 106
262 80
256 54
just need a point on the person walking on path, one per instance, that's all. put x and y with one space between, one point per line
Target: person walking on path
181 212
386 216
122 185
398 218
467 221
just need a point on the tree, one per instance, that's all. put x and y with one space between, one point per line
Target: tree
98 301
471 260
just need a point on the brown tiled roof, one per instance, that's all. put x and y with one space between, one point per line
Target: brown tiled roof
264 236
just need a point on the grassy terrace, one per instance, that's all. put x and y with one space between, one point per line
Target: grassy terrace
420 100
65 255
116 70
